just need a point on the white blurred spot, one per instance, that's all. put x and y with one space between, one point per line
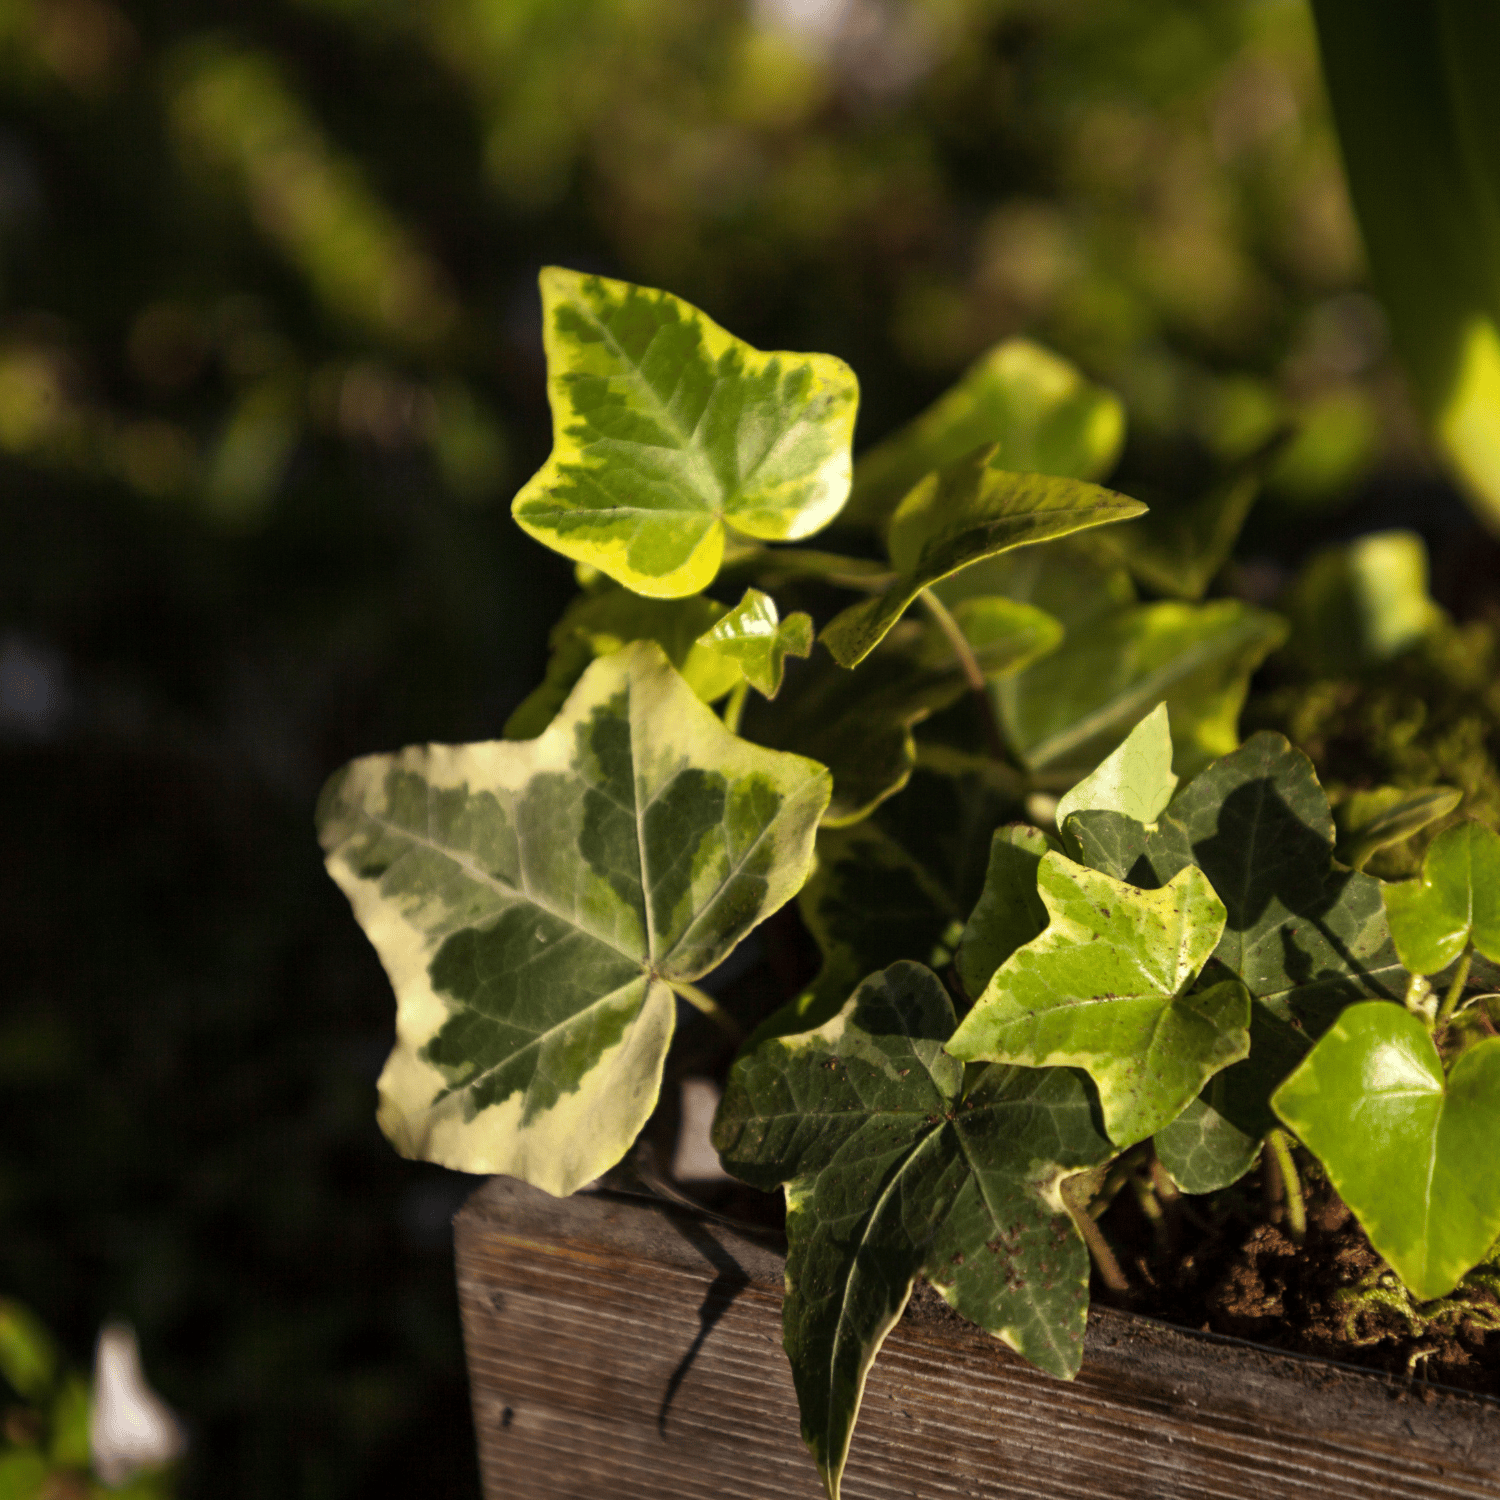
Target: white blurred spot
695 1159
130 1427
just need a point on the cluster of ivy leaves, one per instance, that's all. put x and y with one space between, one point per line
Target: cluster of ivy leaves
1003 1009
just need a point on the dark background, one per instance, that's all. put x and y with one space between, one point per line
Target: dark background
270 370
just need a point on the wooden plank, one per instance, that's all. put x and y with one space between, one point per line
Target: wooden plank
627 1349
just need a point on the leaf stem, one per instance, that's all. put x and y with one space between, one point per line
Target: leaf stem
1456 989
1075 1193
736 705
973 672
1279 1144
710 1008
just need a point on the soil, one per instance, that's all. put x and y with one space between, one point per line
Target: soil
1219 1264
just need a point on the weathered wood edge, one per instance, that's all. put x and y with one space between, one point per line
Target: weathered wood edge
1170 1366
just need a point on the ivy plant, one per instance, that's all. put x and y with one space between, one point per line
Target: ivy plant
1067 922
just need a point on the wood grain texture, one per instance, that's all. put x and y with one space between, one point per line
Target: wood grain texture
621 1349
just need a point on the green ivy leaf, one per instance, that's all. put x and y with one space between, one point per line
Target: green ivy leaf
599 623
1135 778
1070 710
1456 899
1411 1153
1368 821
1003 635
1304 937
1009 912
1043 416
858 724
896 884
1105 988
755 638
1218 1137
891 1173
667 429
1177 550
969 511
29 1357
534 904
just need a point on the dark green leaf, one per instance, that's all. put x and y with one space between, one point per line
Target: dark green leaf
1009 912
1304 937
891 1174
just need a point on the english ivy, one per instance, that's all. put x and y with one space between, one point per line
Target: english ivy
1179 964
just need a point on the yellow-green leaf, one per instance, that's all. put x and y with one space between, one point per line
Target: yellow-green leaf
667 430
535 903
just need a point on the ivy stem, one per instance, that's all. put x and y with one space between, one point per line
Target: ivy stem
973 672
1456 989
1279 1144
1074 1193
736 706
710 1008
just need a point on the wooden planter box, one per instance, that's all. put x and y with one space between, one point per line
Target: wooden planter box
619 1348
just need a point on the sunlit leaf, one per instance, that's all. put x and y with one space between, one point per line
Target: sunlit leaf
1003 635
969 511
1042 415
534 903
1305 938
1362 603
1412 1153
1071 709
1368 821
667 429
1105 988
892 1173
758 641
1135 778
599 623
1455 900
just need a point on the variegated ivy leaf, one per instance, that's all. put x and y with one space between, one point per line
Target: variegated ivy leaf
1042 414
1135 778
972 510
535 904
667 430
1305 938
1105 988
599 622
892 1172
754 637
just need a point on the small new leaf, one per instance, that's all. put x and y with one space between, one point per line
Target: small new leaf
758 641
971 510
667 429
534 903
1105 988
1411 1153
1455 900
891 1173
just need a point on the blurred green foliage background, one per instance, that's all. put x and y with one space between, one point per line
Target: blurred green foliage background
270 369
